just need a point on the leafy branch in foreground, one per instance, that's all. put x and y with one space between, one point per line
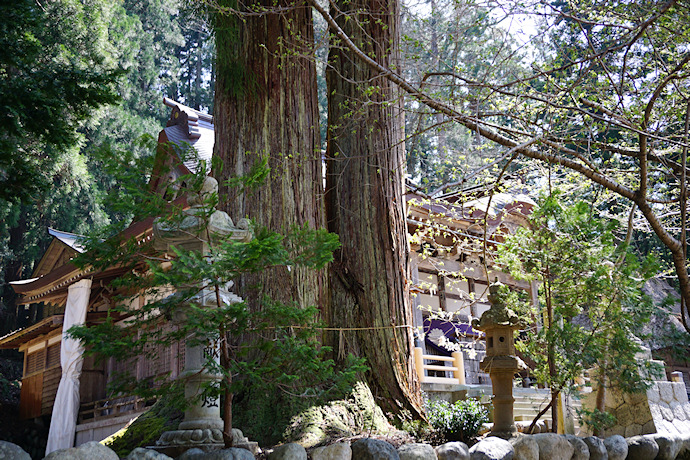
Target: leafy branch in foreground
592 108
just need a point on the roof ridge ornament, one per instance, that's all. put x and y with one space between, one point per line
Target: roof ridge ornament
186 117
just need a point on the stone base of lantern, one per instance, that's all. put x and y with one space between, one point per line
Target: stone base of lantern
175 443
202 426
178 441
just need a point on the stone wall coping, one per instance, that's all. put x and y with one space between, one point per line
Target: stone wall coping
100 423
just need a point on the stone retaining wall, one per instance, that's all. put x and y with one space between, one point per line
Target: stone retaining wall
669 406
549 446
664 408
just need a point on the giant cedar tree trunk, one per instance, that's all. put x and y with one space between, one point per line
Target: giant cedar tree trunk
266 107
365 206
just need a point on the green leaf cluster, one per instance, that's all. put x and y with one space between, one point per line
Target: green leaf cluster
53 74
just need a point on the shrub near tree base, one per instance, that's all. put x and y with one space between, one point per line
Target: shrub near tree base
459 421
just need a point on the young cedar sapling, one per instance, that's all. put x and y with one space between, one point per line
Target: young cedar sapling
285 356
590 299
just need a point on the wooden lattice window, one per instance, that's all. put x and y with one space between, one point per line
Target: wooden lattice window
149 361
53 358
158 362
127 367
35 362
164 359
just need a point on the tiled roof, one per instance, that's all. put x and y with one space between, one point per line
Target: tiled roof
190 128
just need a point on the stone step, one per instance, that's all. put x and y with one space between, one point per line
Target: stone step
519 403
536 407
530 417
529 405
527 410
522 402
526 407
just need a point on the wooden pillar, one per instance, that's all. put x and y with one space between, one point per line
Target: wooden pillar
419 362
459 363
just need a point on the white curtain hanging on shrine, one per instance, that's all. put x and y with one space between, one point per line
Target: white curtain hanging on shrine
63 423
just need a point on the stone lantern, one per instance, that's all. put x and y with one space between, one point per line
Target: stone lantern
499 324
202 425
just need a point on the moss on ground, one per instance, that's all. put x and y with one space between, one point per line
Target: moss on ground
145 429
358 413
355 414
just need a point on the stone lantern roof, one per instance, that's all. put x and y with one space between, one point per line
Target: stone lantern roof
499 314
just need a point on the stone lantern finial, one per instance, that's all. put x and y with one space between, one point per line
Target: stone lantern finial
196 228
208 188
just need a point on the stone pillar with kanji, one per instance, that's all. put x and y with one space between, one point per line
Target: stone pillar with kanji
499 324
202 426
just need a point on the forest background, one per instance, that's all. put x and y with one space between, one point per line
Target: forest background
591 99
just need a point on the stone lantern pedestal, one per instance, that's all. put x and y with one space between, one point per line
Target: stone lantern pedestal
501 370
499 324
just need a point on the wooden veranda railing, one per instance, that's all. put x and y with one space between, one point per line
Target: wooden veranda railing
113 407
457 368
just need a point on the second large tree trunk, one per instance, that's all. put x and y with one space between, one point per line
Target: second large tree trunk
365 207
